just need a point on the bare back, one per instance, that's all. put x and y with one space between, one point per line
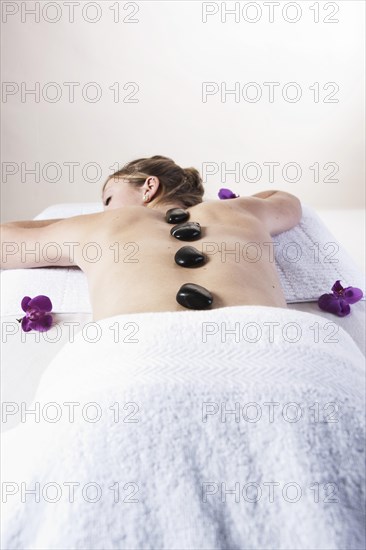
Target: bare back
131 268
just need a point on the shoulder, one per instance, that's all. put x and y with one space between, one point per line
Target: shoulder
276 213
61 229
279 212
226 211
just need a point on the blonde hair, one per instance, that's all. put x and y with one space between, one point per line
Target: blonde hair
176 183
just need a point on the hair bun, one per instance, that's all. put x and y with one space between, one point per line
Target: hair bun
193 179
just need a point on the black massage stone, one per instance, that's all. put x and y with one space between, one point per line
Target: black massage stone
188 256
188 231
176 215
194 296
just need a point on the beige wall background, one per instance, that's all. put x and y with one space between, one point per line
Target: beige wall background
115 81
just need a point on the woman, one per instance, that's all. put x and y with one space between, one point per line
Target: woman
135 264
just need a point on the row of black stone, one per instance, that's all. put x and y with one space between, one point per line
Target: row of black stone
189 295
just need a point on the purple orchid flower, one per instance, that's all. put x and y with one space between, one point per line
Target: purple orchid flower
37 316
226 194
339 302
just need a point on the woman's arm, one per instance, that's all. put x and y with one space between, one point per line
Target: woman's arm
278 211
40 243
30 224
265 194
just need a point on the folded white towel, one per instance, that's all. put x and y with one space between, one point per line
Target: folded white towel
308 258
186 435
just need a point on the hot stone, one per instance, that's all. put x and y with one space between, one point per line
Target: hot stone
194 296
189 231
176 215
188 256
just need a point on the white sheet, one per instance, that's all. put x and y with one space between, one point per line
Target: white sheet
26 356
182 448
348 227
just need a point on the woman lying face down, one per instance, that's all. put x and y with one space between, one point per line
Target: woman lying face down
175 267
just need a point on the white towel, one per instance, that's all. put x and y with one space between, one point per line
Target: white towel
308 258
167 464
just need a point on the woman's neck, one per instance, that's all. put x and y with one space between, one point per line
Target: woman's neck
164 207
